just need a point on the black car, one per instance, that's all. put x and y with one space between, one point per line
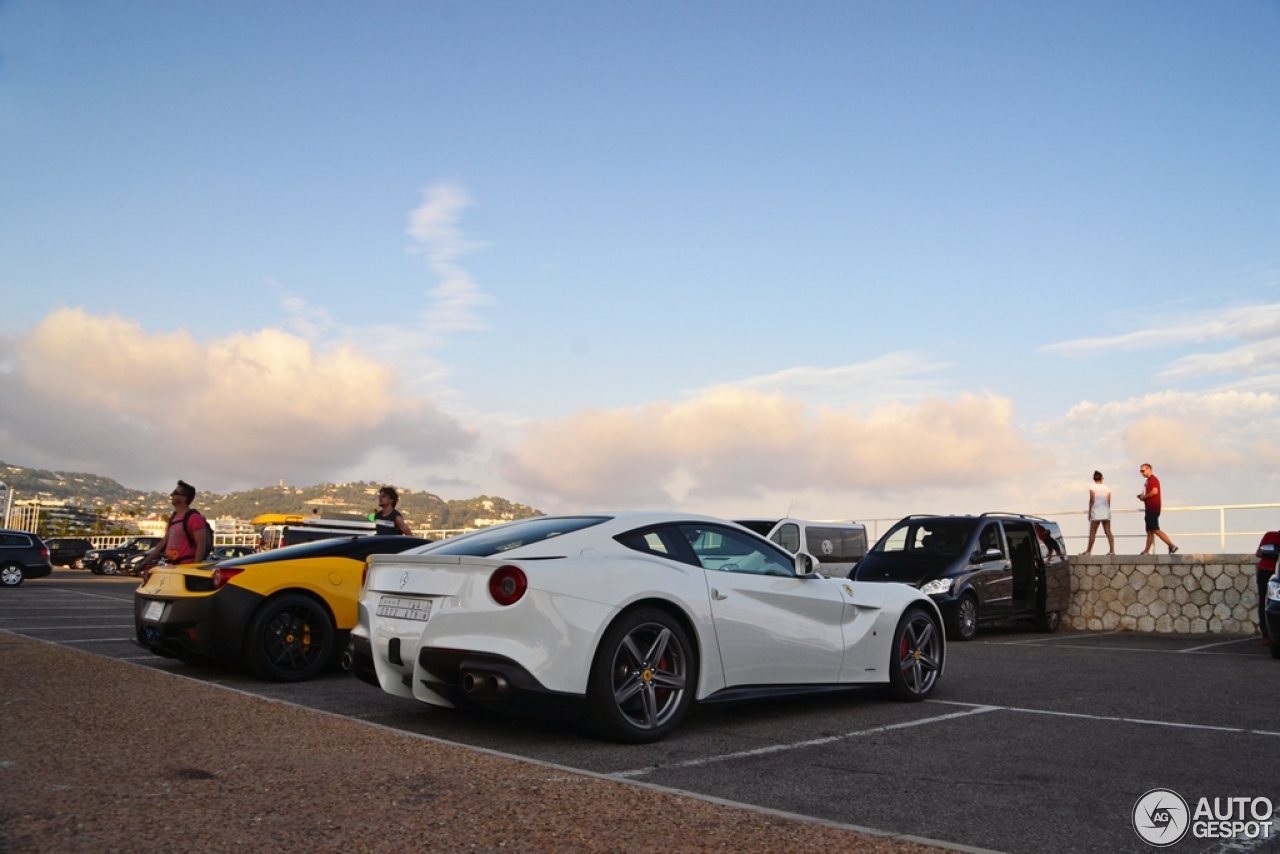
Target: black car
997 566
68 551
111 561
226 552
22 556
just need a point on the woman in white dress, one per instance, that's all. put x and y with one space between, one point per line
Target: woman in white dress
1100 513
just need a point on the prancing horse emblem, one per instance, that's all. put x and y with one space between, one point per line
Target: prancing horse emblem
404 579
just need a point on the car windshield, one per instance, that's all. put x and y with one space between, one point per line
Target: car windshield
512 535
931 536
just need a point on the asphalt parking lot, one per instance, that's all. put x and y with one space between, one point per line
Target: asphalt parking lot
1031 743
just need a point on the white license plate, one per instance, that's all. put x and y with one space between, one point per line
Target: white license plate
155 609
404 608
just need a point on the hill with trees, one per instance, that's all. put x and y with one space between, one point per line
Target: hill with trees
422 509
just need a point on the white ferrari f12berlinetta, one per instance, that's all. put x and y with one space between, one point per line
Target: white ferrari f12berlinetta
626 619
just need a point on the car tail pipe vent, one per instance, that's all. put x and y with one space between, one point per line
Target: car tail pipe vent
479 682
347 660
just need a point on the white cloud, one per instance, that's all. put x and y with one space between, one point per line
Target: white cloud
1245 323
731 442
246 409
894 377
433 225
1261 357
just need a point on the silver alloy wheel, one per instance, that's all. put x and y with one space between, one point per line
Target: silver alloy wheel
649 675
967 618
109 567
919 655
10 575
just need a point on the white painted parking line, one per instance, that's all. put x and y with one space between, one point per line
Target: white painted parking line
1220 643
1051 638
800 745
1111 718
65 628
41 608
88 640
1191 651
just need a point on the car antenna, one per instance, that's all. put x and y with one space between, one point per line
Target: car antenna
788 516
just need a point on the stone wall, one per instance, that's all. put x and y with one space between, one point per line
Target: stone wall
1195 594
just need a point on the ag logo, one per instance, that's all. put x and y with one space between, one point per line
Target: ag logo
1161 818
828 547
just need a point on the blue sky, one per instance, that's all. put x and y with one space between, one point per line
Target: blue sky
862 259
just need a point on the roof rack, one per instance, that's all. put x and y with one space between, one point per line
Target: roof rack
1000 514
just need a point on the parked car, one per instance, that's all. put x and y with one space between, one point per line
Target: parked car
1273 615
1269 591
22 556
109 561
286 612
133 564
837 546
68 551
625 620
997 566
226 552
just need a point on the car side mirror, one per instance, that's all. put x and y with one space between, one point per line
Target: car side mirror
805 565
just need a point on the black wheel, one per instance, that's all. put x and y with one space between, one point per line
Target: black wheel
10 575
290 639
916 659
1049 622
110 567
963 622
643 678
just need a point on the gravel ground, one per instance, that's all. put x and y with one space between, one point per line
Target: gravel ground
100 755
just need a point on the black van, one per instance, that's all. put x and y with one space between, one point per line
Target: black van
997 566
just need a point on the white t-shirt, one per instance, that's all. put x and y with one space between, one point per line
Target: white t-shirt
1101 503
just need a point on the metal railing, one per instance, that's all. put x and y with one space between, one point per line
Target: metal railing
110 541
1129 525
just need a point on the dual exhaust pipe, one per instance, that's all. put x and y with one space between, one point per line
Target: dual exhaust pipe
477 683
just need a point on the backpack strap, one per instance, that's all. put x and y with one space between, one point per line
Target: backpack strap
186 529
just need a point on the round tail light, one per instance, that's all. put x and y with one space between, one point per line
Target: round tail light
508 584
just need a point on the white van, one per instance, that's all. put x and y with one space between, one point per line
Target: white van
279 530
836 545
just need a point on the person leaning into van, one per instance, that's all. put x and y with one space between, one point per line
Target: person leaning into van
1100 513
186 540
388 519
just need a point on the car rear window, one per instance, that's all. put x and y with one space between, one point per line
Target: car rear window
513 535
356 548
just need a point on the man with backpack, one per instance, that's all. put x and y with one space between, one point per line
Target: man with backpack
189 538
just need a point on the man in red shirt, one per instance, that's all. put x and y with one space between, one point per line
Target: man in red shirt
1150 497
186 540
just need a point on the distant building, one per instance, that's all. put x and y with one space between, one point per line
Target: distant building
56 518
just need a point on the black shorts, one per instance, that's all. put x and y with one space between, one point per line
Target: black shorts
1153 521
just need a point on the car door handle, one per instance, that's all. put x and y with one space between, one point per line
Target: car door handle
717 595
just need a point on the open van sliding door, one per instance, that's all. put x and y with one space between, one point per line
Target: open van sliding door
1023 550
